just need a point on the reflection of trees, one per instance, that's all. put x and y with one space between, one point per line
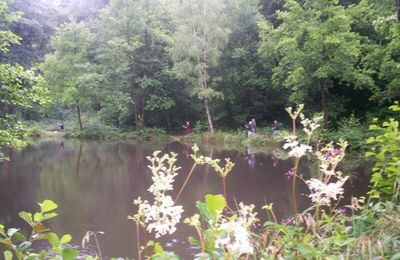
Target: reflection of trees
78 160
18 185
96 182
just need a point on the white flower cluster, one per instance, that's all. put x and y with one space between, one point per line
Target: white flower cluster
322 193
297 150
236 237
162 216
247 215
163 176
310 125
329 158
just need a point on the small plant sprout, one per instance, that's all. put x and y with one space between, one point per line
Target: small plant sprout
294 115
223 171
214 163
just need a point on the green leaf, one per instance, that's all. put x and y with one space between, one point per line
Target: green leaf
66 239
39 227
8 255
20 236
158 249
25 245
37 217
194 241
215 203
69 254
1 229
53 239
27 217
6 241
47 216
12 231
47 206
203 210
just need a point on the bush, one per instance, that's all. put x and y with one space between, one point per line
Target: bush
148 134
349 129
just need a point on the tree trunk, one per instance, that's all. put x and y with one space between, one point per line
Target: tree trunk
78 112
209 119
324 102
136 114
204 73
398 10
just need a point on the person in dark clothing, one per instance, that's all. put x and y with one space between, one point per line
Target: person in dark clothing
276 128
62 127
251 127
187 128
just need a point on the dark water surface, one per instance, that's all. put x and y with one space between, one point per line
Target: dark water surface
94 184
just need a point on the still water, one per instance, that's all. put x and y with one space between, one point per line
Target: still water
95 183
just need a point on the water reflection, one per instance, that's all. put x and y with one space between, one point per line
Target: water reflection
251 158
94 184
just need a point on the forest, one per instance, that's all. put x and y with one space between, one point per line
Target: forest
123 69
129 65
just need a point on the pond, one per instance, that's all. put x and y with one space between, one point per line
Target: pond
94 184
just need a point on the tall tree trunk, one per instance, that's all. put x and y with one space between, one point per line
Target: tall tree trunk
78 113
205 67
209 119
136 114
398 10
324 102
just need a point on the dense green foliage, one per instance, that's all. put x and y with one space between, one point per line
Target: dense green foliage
218 63
19 89
385 150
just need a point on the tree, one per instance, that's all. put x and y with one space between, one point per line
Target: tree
245 81
198 40
37 23
315 50
71 76
18 88
133 39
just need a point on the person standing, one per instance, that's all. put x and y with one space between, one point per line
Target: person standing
251 127
276 128
187 128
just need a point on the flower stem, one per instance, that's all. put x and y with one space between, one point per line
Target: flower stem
224 187
202 242
296 165
138 241
184 184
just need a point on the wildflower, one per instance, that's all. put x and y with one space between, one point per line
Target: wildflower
330 156
162 216
297 150
322 193
236 239
247 216
309 126
193 221
296 113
